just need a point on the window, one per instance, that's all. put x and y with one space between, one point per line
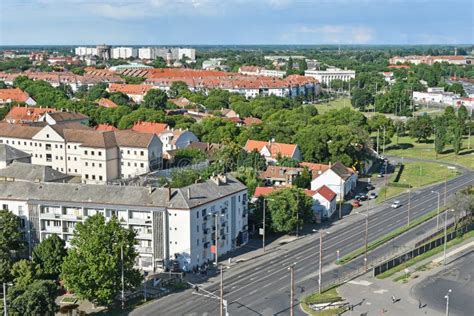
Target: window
99 153
68 158
24 143
47 135
56 146
135 152
129 164
197 242
75 158
142 164
68 146
93 177
100 178
100 165
128 152
92 152
68 169
75 170
87 163
5 207
93 164
142 153
75 147
135 164
85 152
87 176
197 228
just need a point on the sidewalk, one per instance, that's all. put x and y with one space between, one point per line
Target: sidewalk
374 296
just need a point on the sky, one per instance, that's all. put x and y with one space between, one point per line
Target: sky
235 22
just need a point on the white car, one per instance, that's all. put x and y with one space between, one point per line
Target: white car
396 204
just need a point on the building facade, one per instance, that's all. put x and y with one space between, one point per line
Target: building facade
124 52
172 225
330 74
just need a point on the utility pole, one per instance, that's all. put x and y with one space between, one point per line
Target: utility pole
445 236
123 285
320 260
221 306
5 312
264 227
341 192
217 239
292 288
383 148
409 202
385 182
378 132
447 301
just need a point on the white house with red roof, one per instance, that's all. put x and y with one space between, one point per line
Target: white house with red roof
324 201
338 178
272 150
15 95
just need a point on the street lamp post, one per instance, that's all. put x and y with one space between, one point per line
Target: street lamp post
447 301
437 213
292 288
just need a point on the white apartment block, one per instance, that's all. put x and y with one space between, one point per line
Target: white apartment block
187 52
436 96
85 51
330 74
147 53
172 225
97 157
124 52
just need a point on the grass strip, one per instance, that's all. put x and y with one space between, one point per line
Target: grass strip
329 296
391 235
424 256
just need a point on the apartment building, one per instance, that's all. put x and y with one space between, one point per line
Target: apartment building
124 52
330 74
96 156
172 225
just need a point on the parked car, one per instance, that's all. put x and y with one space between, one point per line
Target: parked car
355 203
369 187
363 197
372 195
396 204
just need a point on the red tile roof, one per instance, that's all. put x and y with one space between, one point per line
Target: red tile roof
107 103
252 121
13 95
285 150
21 114
105 127
149 127
326 193
316 168
264 191
141 89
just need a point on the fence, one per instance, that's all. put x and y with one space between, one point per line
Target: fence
387 265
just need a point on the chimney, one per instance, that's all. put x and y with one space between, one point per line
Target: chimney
189 193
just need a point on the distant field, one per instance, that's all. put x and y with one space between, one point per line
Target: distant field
407 147
417 174
333 105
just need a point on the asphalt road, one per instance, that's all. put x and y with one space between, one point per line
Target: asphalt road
458 278
261 286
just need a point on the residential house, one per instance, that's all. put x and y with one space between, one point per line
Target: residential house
107 103
136 92
249 121
59 117
10 95
272 150
338 178
324 201
279 175
22 114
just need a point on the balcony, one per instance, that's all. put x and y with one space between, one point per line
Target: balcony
144 235
72 217
144 249
52 229
206 231
68 230
139 221
50 216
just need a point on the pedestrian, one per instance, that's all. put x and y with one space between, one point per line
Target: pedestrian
419 304
393 299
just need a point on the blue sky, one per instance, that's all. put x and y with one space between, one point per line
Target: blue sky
171 22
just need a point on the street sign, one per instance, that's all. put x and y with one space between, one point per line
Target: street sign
261 231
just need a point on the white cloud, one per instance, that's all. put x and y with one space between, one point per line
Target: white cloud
341 34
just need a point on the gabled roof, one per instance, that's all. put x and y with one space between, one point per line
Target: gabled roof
13 95
19 114
252 121
180 102
280 172
149 127
316 168
90 138
67 116
140 89
29 172
275 149
9 153
326 193
105 127
133 139
18 131
342 171
107 103
264 191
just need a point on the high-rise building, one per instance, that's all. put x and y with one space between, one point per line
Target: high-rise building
124 52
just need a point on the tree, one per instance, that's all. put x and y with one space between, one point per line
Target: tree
37 298
361 98
457 88
25 272
188 156
92 268
420 127
10 242
177 88
159 62
303 180
289 208
457 137
2 85
463 114
155 99
286 161
49 255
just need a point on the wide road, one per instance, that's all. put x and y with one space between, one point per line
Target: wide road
261 286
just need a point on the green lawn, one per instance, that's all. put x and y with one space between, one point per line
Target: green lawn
328 296
417 174
333 105
407 147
